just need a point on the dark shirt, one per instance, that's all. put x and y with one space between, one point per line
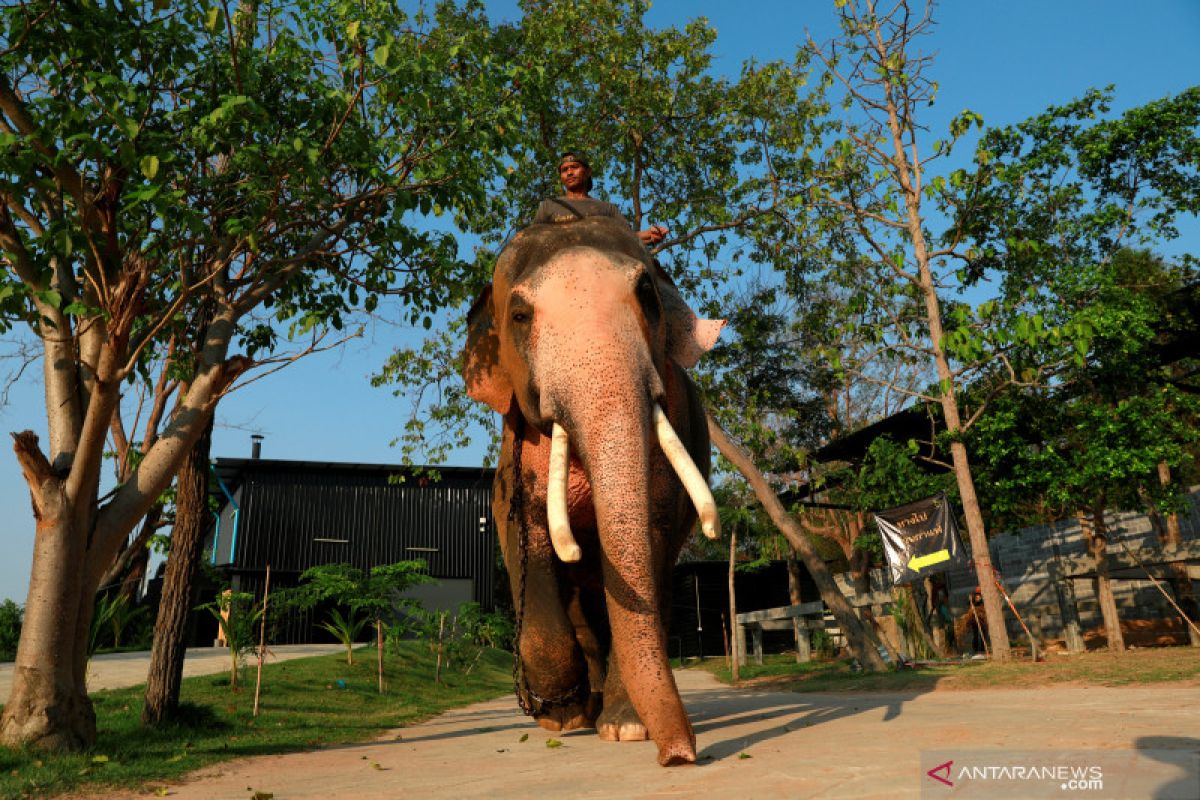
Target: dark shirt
559 210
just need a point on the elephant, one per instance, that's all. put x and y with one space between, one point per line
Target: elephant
581 343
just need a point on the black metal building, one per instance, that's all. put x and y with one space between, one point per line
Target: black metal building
699 621
292 515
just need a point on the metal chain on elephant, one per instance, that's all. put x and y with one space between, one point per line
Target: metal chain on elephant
516 515
526 697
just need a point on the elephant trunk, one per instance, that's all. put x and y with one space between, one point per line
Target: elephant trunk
616 451
677 455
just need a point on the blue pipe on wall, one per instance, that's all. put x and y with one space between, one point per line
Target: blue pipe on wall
237 512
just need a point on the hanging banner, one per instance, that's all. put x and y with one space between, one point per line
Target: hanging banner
920 539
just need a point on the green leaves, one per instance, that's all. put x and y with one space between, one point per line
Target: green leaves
149 166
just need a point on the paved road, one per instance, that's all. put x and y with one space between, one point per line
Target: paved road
117 670
799 746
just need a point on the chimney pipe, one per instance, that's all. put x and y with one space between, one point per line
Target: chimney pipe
256 445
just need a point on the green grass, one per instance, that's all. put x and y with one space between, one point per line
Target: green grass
1154 665
303 706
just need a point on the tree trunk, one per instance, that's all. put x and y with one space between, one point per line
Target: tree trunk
1178 570
178 592
1096 533
937 625
48 708
862 640
736 630
799 631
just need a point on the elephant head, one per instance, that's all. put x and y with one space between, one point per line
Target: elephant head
582 337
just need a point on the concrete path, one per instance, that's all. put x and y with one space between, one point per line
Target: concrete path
118 670
794 746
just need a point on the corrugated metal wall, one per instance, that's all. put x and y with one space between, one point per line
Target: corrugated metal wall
295 515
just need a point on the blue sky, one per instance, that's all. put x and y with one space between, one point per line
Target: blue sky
1006 61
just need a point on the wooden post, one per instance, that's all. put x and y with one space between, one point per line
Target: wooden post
437 675
725 640
756 634
379 643
262 639
738 630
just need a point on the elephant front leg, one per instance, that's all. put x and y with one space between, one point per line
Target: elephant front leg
618 721
554 682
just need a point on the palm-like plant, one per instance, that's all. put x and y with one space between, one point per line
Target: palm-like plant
346 630
237 615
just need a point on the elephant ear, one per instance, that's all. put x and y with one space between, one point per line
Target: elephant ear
485 377
688 336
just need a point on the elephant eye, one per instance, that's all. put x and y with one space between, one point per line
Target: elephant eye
647 296
520 310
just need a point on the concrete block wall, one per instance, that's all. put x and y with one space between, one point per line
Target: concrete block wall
1026 559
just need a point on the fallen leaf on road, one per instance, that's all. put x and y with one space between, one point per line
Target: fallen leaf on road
524 737
745 755
552 743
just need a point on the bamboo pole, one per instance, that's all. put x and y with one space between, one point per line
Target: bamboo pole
262 639
979 627
1158 586
1032 642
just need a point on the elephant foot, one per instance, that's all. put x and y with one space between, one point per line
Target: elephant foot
673 754
620 723
572 716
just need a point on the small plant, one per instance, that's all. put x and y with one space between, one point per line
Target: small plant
108 606
237 615
486 629
822 643
11 616
346 629
458 640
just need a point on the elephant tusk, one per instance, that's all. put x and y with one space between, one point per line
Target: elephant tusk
689 475
556 497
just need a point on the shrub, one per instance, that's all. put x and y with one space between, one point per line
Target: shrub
11 616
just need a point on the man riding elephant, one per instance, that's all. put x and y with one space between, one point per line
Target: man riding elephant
575 174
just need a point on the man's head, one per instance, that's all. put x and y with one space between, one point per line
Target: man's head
575 173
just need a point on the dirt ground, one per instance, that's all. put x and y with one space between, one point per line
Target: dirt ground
752 744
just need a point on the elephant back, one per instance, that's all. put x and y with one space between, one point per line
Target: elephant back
535 245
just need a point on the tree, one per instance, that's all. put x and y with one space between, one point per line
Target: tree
367 596
867 199
1102 436
670 143
151 164
1046 192
1055 202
